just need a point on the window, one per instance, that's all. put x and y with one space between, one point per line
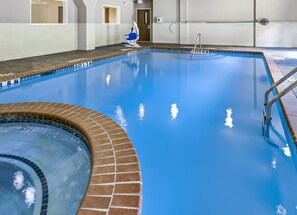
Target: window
110 14
48 11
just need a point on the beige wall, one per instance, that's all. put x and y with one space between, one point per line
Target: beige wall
40 13
113 15
46 13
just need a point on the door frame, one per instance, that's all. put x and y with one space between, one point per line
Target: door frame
150 21
60 11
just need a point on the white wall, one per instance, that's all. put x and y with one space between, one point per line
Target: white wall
220 10
277 34
169 30
24 40
107 34
184 19
276 10
162 34
111 34
15 11
282 29
221 34
19 38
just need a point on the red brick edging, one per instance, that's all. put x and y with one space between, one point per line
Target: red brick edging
115 185
288 101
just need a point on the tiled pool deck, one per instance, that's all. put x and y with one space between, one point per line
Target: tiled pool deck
115 184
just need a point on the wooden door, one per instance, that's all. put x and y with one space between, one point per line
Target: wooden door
144 24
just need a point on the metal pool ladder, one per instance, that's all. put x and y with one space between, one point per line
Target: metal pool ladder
198 38
266 116
200 51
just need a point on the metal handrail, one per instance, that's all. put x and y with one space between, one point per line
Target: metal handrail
197 38
275 98
268 104
278 83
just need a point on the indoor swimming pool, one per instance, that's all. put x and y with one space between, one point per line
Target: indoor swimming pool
195 122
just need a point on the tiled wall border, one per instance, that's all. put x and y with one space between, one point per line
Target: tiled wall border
115 185
42 178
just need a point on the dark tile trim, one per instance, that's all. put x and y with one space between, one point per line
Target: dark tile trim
42 178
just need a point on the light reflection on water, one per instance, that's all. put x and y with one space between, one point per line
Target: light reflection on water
29 195
229 120
120 118
281 210
141 111
174 111
287 151
63 158
18 184
18 181
107 80
273 163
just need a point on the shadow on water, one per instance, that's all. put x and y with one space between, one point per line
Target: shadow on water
272 141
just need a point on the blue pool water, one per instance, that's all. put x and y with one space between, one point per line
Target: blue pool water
62 157
16 185
196 126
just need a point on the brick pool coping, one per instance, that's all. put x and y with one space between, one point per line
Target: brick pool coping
115 185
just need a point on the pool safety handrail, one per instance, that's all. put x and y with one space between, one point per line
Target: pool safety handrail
199 51
266 116
198 38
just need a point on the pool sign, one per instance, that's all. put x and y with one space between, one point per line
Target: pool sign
16 81
83 65
10 82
